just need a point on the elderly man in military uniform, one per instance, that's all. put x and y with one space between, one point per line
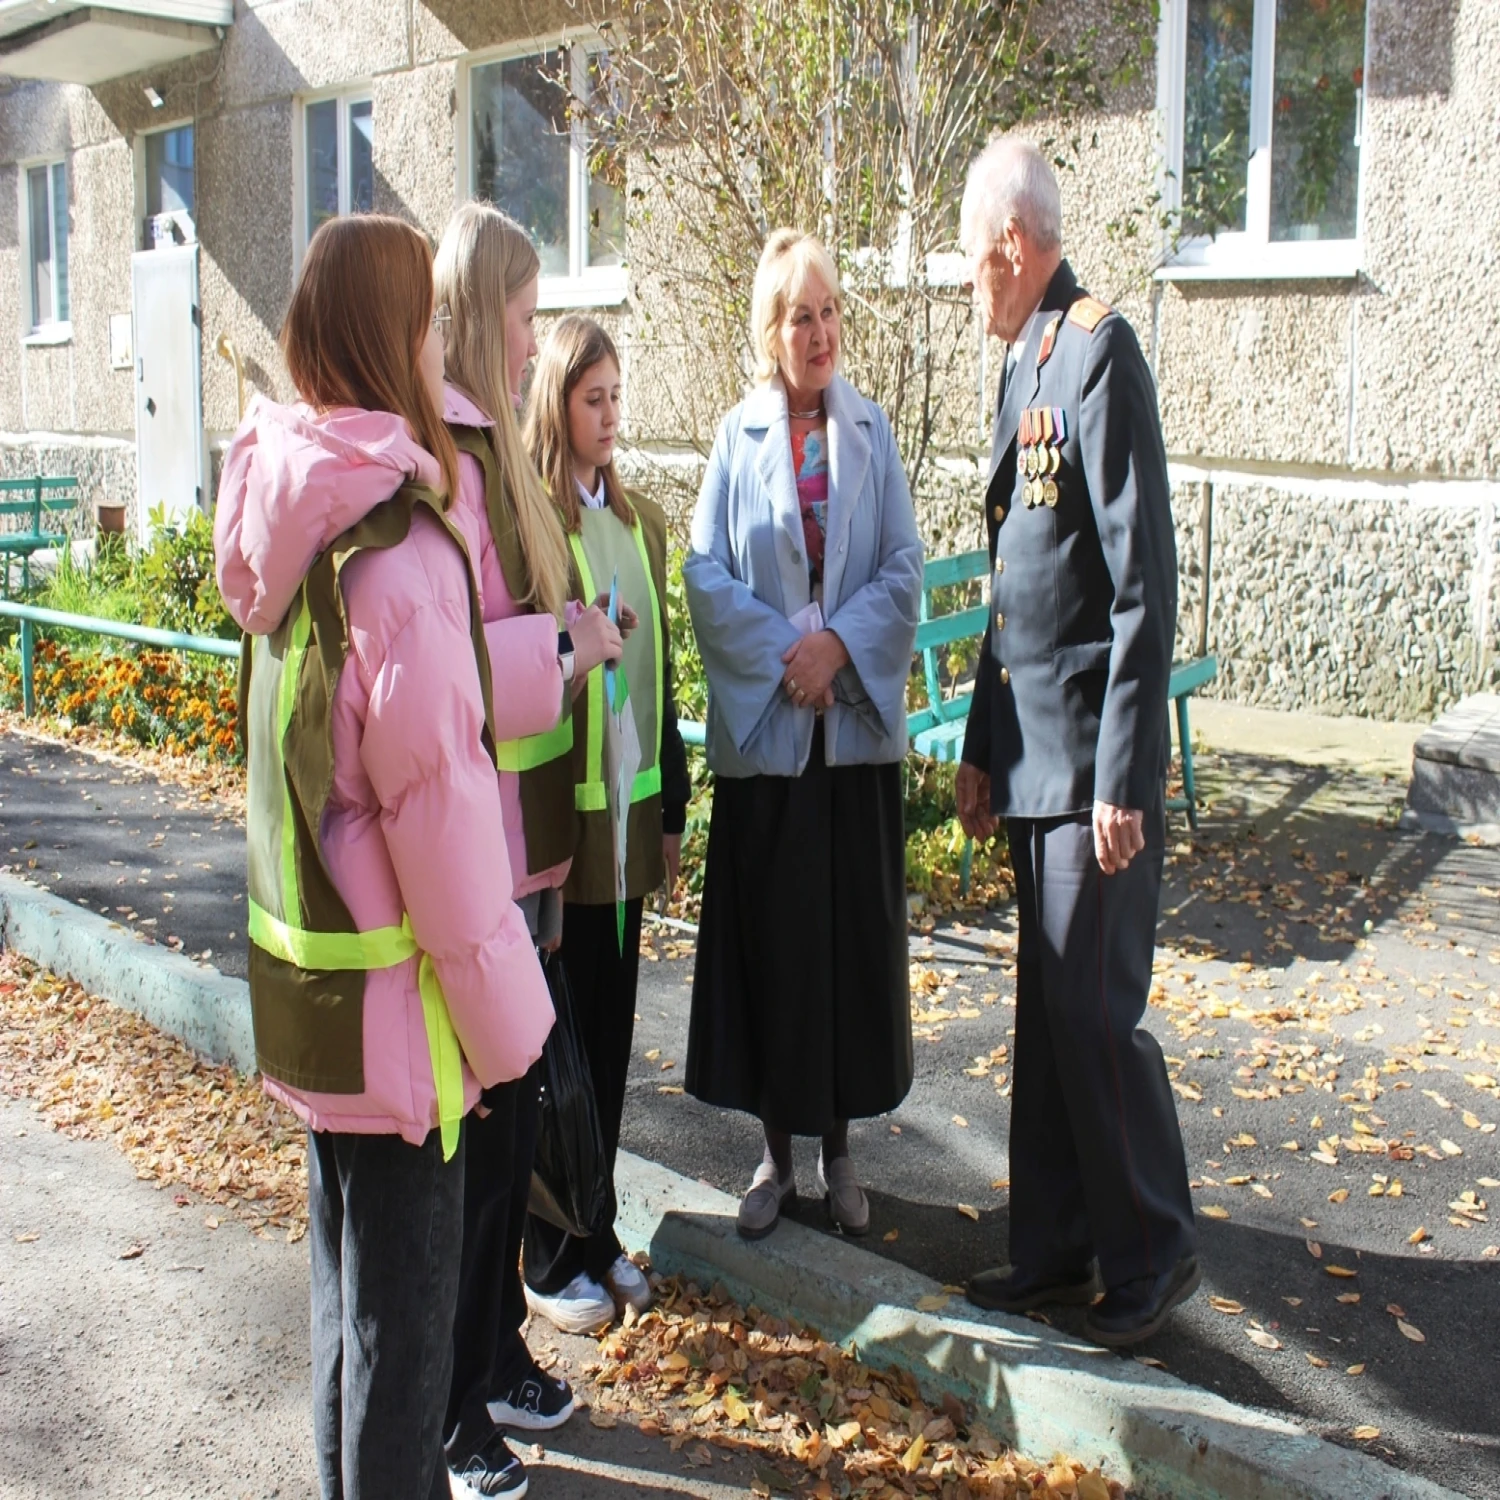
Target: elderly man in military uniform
1067 741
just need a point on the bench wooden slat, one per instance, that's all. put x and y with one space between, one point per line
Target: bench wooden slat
954 627
1188 676
943 572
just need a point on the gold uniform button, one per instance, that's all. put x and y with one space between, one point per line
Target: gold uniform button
999 564
999 512
1004 676
999 621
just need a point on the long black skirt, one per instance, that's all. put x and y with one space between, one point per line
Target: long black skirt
801 995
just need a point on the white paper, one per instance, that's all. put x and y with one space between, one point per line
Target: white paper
807 621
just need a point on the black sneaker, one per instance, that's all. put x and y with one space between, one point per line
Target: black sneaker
492 1469
537 1402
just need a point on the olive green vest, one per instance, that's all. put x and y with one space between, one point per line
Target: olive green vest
595 548
542 760
308 959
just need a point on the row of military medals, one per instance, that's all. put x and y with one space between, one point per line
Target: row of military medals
1044 429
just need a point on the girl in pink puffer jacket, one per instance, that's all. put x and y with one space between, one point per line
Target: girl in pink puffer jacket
410 836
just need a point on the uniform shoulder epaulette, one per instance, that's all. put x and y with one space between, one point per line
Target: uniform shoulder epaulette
1088 313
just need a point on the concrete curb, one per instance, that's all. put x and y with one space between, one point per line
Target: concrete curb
1041 1391
208 1010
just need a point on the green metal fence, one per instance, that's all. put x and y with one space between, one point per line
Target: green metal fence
31 615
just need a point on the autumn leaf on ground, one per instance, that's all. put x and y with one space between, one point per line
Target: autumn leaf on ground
602 1419
1214 1211
1340 1271
1366 1434
30 1237
1408 1331
1316 1362
932 1303
1262 1339
1226 1305
1315 1250
1348 1298
1355 1370
969 1211
132 1252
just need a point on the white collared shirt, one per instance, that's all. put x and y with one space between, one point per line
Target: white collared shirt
598 500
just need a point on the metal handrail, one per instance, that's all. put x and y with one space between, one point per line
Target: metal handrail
32 615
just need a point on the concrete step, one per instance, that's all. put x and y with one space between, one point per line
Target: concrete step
1455 775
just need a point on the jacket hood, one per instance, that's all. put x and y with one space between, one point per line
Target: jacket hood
462 410
293 481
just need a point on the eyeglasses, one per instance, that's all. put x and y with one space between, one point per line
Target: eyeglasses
442 320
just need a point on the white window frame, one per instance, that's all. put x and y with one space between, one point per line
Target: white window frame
53 330
189 222
345 97
1250 254
584 286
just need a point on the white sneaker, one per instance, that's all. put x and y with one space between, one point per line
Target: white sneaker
583 1306
628 1283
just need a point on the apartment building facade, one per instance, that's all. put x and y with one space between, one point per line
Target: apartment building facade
1324 358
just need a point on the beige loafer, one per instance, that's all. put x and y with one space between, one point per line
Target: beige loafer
847 1204
760 1208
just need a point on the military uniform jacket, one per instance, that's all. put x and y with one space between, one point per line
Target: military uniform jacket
1070 698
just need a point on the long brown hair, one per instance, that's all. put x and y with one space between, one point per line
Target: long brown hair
483 260
359 315
574 347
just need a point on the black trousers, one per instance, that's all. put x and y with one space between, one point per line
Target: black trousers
1096 1156
488 1350
602 975
384 1224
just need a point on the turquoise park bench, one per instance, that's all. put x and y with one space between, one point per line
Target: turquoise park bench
44 497
937 731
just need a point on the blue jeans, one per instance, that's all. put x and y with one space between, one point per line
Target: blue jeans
385 1226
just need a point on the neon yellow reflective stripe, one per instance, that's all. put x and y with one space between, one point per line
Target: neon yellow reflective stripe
636 794
380 948
286 703
535 750
588 796
447 1057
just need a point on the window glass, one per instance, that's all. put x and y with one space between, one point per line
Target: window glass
322 163
38 194
606 175
522 149
60 242
1320 52
1216 114
361 157
169 171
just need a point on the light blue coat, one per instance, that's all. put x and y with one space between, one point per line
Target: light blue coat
747 574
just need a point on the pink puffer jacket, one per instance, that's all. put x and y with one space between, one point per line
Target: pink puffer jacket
413 823
524 635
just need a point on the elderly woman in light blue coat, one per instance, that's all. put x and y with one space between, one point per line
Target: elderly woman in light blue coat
804 583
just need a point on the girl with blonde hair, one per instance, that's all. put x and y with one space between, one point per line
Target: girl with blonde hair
571 430
543 648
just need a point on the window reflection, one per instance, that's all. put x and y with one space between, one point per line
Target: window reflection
1320 50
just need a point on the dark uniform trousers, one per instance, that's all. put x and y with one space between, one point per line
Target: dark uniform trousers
1097 1165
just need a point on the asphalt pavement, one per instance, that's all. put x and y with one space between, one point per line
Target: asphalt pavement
149 1349
1322 979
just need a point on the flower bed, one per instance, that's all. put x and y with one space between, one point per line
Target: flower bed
159 698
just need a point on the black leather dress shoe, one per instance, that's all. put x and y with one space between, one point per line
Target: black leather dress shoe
1134 1310
1012 1290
